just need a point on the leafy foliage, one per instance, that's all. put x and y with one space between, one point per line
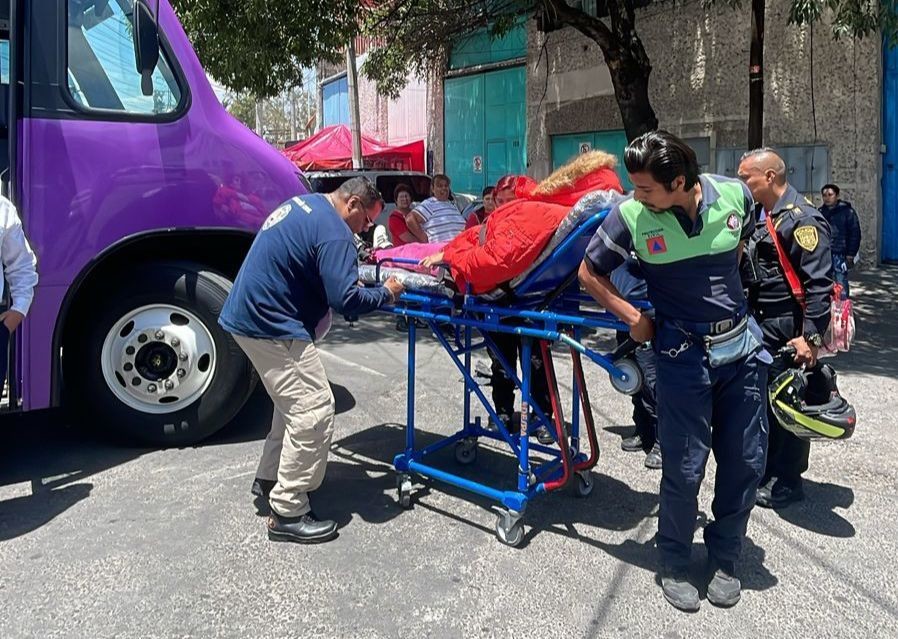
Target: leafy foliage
260 46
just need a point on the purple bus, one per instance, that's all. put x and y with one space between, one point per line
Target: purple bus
140 195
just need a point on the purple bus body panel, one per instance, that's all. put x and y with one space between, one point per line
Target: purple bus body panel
86 184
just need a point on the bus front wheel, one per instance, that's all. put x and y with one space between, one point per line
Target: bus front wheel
154 367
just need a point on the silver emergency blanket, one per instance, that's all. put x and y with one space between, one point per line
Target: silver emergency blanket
409 279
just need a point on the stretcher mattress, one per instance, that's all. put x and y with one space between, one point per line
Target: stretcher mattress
585 207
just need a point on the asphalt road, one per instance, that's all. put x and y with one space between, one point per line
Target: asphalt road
102 541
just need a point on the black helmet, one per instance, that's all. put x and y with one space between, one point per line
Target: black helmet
807 403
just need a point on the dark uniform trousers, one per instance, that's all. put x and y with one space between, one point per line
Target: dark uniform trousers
645 415
503 387
788 455
701 409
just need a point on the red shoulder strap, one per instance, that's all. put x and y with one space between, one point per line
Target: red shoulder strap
788 269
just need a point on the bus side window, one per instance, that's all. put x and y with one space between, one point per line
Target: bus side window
4 113
101 71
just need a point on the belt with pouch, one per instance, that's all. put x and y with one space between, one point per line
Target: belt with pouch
724 341
734 330
712 329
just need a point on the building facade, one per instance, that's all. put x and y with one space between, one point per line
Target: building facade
822 110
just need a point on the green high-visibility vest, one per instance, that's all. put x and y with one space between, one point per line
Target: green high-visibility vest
658 238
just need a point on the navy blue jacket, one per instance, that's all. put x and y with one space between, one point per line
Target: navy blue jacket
302 261
845 229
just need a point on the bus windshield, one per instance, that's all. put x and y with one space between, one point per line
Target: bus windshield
101 70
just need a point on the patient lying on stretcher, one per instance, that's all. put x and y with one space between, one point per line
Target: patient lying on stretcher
515 234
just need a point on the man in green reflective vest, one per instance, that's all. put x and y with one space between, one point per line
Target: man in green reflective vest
687 231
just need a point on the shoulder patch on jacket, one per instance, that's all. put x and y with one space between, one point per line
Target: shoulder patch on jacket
807 237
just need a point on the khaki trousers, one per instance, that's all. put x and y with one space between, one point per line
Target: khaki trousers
295 452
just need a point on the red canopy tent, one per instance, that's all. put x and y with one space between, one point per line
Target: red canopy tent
331 148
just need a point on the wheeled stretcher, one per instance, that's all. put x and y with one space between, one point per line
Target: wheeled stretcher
543 306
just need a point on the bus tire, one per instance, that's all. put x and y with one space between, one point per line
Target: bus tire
153 366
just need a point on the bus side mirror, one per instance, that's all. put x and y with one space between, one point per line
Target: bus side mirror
146 45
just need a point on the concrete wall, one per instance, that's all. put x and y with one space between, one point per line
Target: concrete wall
699 87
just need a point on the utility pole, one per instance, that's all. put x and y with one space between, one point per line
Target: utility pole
259 118
354 124
292 114
756 77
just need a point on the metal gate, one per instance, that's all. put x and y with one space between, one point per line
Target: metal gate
484 128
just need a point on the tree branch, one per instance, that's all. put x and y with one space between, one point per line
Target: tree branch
586 24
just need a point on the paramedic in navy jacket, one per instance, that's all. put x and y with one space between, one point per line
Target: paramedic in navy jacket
302 264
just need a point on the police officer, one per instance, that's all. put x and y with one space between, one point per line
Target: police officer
804 236
687 231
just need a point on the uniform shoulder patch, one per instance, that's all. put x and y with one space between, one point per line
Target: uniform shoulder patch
276 216
807 237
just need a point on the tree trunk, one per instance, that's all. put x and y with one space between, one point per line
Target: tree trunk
625 56
631 88
756 77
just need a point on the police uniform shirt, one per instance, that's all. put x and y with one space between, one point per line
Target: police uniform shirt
691 269
804 236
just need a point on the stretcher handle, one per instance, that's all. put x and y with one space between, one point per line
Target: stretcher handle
393 260
630 344
588 419
558 419
624 349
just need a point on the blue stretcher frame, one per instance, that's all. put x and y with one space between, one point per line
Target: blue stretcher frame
547 307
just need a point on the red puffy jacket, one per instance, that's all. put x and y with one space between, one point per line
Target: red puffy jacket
515 234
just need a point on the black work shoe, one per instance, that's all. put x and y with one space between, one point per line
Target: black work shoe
762 497
653 458
261 490
632 444
779 496
678 591
505 418
305 529
725 589
544 437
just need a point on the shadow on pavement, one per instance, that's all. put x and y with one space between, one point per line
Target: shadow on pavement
612 506
817 512
42 449
56 458
875 349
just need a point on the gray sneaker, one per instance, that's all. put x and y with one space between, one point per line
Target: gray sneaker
678 591
725 589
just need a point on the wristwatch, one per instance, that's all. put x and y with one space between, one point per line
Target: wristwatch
814 339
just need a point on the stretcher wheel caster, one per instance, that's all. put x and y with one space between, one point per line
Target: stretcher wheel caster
583 485
466 451
404 488
632 381
509 529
